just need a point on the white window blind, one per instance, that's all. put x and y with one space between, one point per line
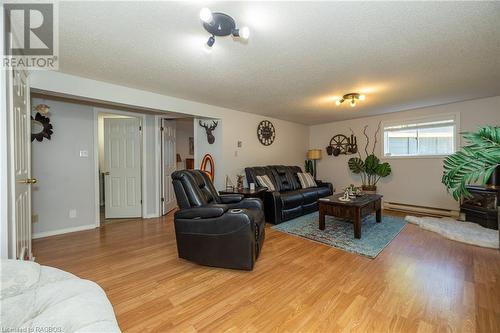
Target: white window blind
433 136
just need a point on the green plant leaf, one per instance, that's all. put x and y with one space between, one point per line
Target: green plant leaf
308 166
371 164
356 165
383 170
474 163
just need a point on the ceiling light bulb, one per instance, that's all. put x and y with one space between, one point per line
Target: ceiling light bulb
353 103
206 15
362 97
211 41
338 102
244 32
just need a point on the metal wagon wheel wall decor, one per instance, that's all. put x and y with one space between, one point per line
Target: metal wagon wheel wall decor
341 144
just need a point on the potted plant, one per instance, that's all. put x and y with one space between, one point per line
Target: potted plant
308 166
370 169
475 162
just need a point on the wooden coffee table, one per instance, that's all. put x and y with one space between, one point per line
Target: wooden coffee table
355 209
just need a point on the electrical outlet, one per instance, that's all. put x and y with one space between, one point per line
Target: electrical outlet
84 153
34 218
72 213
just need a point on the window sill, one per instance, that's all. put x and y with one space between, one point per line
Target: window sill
414 156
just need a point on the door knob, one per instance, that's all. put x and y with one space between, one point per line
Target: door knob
28 181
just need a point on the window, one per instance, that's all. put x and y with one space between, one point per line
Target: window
426 137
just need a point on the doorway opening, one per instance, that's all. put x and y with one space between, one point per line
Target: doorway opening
177 151
120 167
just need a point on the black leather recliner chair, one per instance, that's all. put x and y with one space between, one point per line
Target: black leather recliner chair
289 200
216 230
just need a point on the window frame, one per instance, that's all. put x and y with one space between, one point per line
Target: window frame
430 118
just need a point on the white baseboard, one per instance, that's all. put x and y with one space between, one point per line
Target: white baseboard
433 211
62 231
150 216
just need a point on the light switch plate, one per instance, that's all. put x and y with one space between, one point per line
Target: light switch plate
84 153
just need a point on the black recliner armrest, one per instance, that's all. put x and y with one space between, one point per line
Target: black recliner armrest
325 184
248 203
231 198
273 207
202 212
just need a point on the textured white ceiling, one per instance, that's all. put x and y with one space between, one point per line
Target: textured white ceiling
300 55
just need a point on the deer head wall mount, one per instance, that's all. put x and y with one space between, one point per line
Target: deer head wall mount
209 129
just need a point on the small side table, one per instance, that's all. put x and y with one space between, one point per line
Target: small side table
246 192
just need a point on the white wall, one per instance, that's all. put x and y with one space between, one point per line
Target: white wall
289 148
414 180
65 180
184 129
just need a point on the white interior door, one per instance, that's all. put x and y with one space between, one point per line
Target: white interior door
169 164
122 171
20 159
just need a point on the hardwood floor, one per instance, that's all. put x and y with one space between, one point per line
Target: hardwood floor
420 283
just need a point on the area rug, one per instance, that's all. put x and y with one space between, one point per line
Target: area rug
465 232
339 233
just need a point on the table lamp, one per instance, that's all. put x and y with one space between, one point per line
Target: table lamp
314 155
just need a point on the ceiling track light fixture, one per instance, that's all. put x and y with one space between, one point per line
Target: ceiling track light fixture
220 24
352 97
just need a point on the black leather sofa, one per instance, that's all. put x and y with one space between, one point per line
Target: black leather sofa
216 230
289 200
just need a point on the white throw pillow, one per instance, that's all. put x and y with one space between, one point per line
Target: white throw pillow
264 181
306 180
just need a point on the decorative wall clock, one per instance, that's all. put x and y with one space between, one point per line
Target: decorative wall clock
266 132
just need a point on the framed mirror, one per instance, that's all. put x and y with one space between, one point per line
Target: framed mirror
40 127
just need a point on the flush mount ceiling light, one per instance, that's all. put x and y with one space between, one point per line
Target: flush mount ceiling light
352 97
220 24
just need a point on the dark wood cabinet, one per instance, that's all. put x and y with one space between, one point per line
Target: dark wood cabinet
190 163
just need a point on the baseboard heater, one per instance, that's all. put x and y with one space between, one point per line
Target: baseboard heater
420 209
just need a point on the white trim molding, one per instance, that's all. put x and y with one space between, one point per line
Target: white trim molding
157 132
63 231
4 141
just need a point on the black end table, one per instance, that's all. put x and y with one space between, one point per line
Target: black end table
246 192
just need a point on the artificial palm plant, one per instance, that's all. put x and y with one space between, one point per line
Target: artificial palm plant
475 162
